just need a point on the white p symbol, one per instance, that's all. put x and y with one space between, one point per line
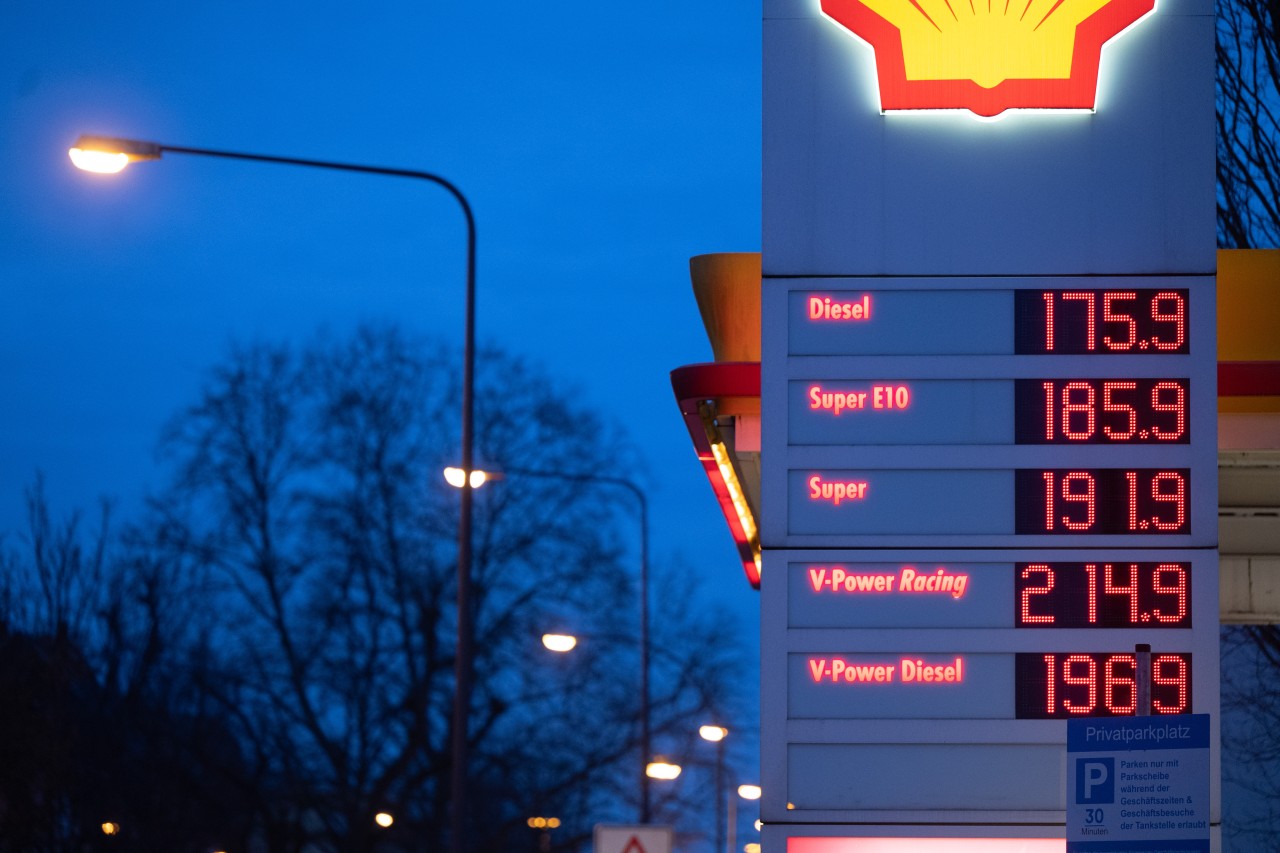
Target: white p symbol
1095 773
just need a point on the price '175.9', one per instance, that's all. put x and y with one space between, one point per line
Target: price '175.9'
1101 322
1103 501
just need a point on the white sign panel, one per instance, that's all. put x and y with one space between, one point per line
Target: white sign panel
1138 785
632 839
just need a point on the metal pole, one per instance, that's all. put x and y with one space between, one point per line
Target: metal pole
720 794
646 734
464 659
1142 679
733 823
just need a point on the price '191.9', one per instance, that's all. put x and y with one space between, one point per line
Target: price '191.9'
1103 501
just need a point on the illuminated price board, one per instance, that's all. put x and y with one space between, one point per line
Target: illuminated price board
979 496
1010 412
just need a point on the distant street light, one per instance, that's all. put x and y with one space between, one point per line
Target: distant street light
456 477
749 792
111 827
383 819
646 739
559 642
662 769
108 155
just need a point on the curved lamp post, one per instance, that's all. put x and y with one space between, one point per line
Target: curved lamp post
108 155
455 478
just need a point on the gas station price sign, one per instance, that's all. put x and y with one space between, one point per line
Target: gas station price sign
1022 317
980 495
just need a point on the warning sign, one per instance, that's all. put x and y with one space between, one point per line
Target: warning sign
632 839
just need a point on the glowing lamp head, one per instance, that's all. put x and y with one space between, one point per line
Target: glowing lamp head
106 155
749 792
559 642
456 477
715 734
662 769
383 819
110 828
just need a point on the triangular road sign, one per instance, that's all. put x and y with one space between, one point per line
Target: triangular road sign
634 846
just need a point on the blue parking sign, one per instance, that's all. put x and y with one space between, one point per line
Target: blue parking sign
1095 780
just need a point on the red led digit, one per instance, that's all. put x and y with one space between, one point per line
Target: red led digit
1108 316
1175 315
1080 407
1177 588
1177 497
1118 672
1091 574
1048 411
1089 681
1110 587
1178 405
1086 296
1048 320
1048 500
1170 672
1088 497
1027 592
1131 478
1110 405
1050 684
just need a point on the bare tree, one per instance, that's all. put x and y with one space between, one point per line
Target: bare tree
1248 98
308 484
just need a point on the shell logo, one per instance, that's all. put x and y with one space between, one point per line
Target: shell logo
987 56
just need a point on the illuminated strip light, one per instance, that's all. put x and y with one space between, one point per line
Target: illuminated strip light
926 845
694 385
730 476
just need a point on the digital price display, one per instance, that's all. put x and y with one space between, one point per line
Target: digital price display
1080 684
1103 500
1107 411
1102 595
1101 322
1102 411
961 321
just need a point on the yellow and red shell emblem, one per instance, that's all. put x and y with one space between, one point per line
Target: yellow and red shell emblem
987 56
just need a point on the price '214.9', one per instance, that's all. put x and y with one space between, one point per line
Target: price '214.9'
1117 594
1103 501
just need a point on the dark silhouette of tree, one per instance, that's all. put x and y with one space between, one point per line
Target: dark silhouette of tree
264 659
1248 98
309 491
96 722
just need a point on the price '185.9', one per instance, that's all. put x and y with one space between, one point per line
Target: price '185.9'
1102 411
1103 501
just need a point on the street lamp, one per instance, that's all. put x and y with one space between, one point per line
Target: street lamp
716 735
662 769
109 155
638 493
559 643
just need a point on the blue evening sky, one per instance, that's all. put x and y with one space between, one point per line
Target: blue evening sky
600 144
